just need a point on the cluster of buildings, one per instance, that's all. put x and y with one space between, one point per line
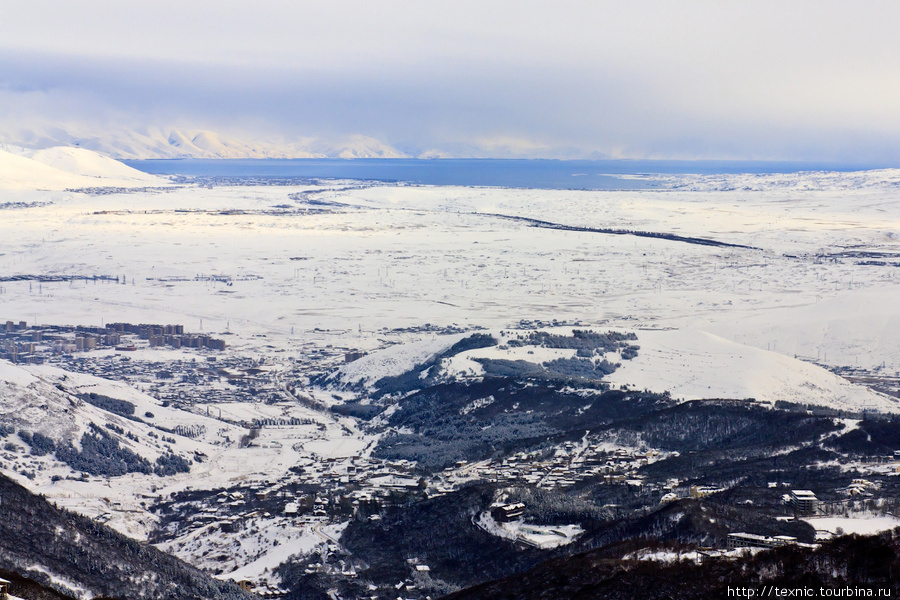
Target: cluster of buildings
803 502
16 341
346 482
20 343
696 492
750 540
167 335
329 490
569 465
861 487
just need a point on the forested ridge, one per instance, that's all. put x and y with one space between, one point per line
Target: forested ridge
36 536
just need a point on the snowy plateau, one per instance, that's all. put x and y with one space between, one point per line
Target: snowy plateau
398 363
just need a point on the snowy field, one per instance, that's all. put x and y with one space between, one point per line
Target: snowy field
861 525
309 265
258 260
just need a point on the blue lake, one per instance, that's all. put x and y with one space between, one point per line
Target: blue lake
538 174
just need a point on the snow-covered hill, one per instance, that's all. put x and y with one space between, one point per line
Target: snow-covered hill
47 400
54 547
80 161
695 365
393 361
22 173
59 168
689 364
110 444
40 403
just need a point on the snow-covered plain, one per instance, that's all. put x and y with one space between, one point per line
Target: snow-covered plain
397 256
266 261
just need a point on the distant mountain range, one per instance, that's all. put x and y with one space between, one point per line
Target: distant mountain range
154 142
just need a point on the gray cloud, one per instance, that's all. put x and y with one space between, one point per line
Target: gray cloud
803 80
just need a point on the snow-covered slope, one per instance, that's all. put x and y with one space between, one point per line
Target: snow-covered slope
46 400
64 168
834 331
57 404
203 144
393 361
11 375
695 364
22 173
91 164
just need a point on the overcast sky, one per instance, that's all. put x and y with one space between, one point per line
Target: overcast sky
805 80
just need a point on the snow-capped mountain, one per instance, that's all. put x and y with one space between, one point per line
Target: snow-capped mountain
155 142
